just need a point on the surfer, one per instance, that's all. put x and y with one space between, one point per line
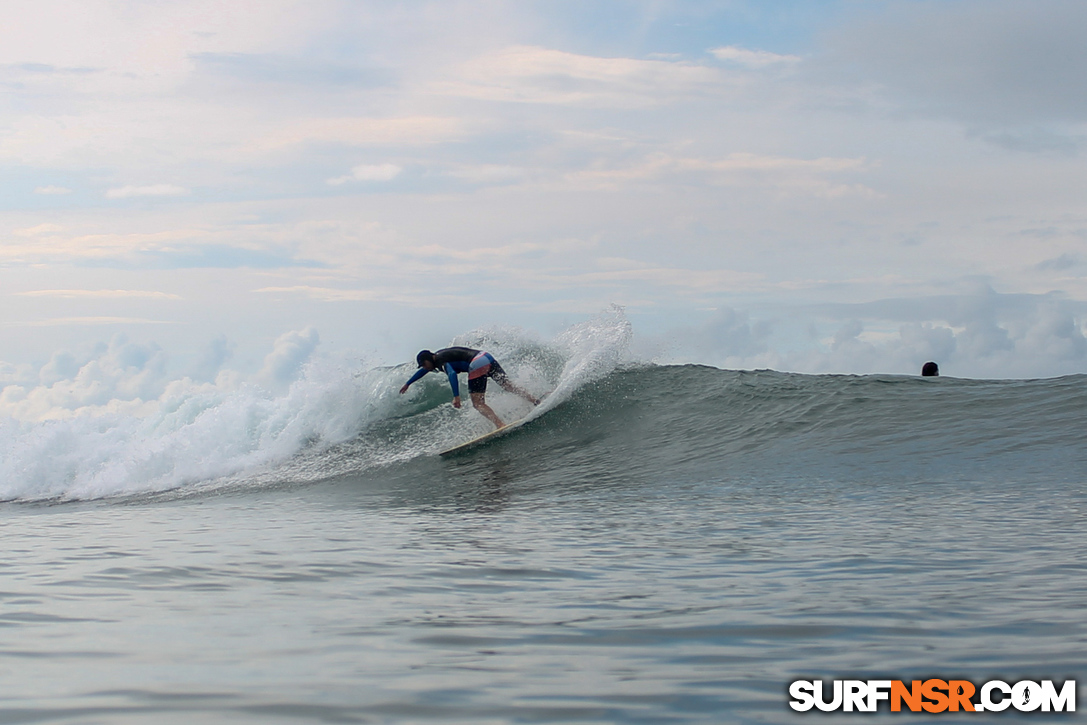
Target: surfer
479 365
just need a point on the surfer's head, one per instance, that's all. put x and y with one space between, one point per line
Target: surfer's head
930 370
425 358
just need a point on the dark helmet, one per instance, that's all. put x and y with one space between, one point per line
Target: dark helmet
930 370
423 356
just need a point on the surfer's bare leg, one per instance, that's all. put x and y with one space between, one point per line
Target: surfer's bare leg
505 383
480 404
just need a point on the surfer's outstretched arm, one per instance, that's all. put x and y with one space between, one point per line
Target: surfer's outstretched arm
418 374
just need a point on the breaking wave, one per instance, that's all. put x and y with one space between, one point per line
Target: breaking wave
606 418
331 419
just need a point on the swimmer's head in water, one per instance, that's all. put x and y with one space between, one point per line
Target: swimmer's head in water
930 370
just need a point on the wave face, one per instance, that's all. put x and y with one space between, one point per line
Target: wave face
704 424
604 420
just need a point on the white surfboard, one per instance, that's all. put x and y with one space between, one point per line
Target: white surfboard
497 432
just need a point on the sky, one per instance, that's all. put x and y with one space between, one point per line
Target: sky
199 188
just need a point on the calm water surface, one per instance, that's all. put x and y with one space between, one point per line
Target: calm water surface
488 601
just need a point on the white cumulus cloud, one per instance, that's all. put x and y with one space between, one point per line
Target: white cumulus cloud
126 192
369 172
289 353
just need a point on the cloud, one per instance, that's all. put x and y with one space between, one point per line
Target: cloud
1036 141
290 351
327 294
993 63
208 246
975 332
99 294
16 374
804 176
753 58
527 74
980 332
729 336
61 366
134 378
150 48
214 355
42 69
219 256
728 181
50 246
487 173
40 229
52 190
481 255
100 320
403 294
405 131
1058 264
280 69
681 281
126 192
115 376
369 172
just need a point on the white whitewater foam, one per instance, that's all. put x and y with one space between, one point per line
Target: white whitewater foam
251 435
593 349
189 438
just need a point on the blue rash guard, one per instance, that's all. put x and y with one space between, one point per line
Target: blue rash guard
451 360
